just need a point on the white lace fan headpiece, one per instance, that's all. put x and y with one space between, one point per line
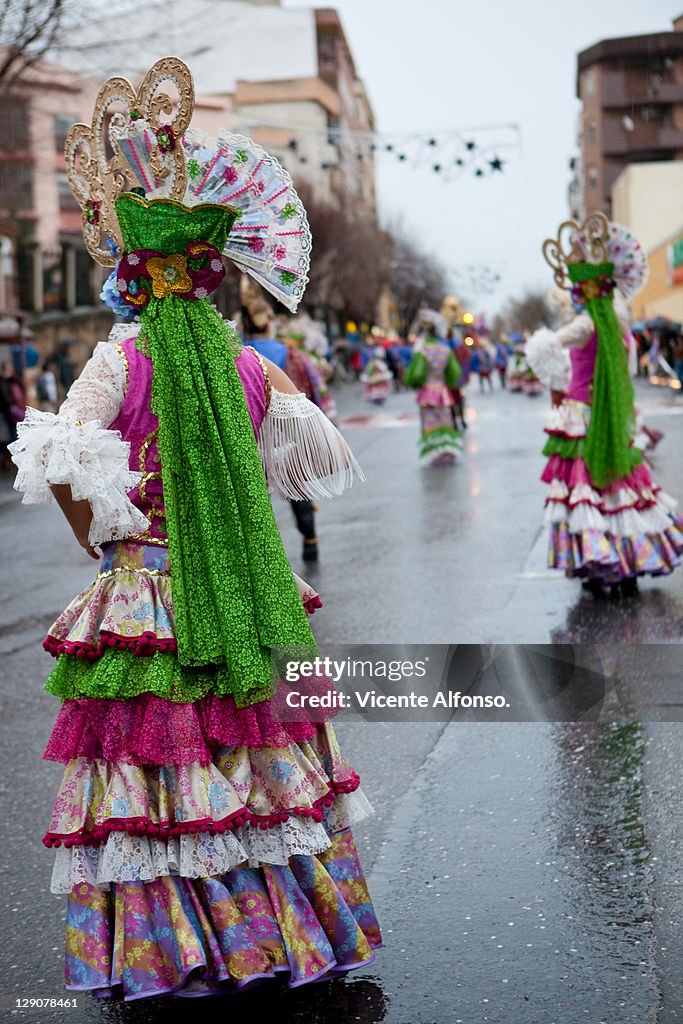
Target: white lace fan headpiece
271 239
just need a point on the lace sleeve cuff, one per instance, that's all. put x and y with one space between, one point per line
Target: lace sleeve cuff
548 359
303 453
57 450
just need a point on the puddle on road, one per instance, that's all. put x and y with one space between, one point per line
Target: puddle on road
337 1002
655 615
598 810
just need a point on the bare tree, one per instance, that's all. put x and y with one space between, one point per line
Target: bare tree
28 30
528 312
349 264
415 278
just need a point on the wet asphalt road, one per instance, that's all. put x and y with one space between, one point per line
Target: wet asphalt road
527 873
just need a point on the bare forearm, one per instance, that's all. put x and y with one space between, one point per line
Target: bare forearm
78 515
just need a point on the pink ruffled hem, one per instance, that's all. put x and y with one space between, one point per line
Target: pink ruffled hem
165 830
575 473
150 730
142 646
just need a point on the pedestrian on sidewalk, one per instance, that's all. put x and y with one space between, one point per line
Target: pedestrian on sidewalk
678 360
12 399
201 829
46 387
609 523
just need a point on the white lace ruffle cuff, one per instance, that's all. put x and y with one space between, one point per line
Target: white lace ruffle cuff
303 453
549 361
52 449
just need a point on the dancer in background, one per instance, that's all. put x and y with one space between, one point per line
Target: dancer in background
609 523
377 378
201 831
434 372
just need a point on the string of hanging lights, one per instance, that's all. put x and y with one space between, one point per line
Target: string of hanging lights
479 151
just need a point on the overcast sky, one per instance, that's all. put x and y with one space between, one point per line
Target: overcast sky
435 65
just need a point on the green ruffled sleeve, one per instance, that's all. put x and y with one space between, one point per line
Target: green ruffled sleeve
452 373
416 374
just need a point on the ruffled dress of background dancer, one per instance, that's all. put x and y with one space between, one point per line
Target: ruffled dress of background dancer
201 829
377 378
434 372
609 523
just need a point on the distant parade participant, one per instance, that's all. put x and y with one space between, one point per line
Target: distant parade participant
463 354
516 371
609 524
482 365
501 361
377 378
257 321
434 372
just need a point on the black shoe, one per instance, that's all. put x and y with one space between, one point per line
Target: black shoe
593 587
629 586
615 591
310 551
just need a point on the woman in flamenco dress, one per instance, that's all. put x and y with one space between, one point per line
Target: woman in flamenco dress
609 522
434 372
202 827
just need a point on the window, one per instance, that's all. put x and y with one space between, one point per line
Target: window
590 132
588 89
14 118
62 124
16 186
592 176
67 200
653 112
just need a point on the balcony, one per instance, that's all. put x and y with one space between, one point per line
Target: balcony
620 91
617 141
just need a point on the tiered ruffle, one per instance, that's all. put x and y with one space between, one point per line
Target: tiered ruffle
440 443
197 839
129 606
624 530
309 919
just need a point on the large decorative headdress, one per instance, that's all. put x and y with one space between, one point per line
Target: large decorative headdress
164 204
597 243
142 140
591 260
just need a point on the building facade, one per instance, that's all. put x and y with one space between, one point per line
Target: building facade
284 76
662 294
631 92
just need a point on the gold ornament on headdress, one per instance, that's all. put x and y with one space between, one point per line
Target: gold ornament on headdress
451 310
577 243
96 178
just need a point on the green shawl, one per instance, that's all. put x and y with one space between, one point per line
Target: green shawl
234 595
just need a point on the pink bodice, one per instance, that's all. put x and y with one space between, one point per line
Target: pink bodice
139 426
583 368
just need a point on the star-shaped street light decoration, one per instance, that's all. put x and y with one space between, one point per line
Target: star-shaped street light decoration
496 164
